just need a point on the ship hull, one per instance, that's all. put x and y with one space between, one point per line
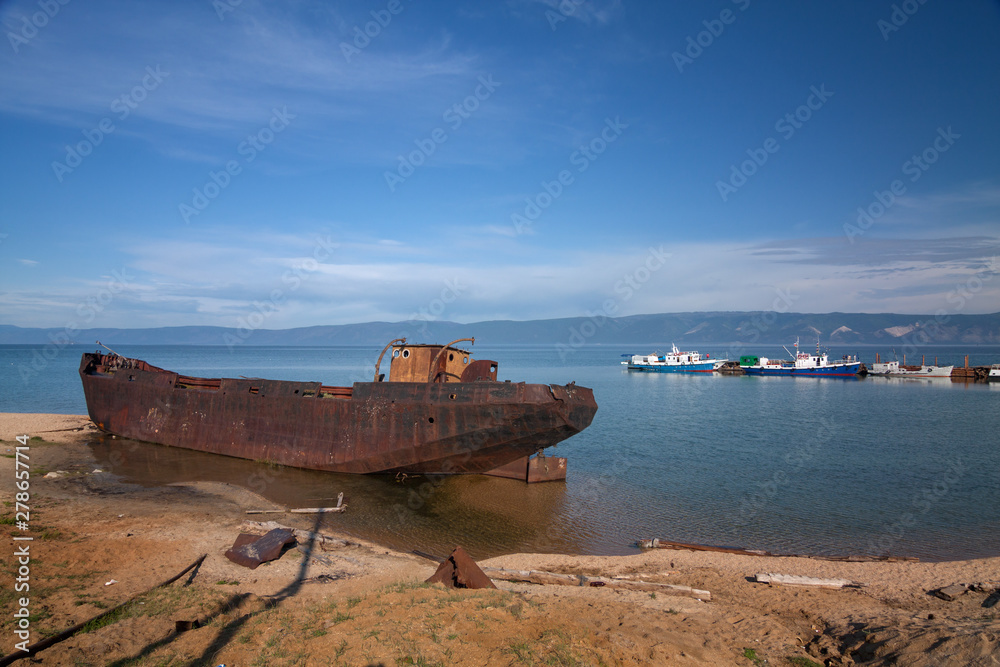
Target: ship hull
372 427
845 370
706 367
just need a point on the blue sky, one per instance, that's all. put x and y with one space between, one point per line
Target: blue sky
180 163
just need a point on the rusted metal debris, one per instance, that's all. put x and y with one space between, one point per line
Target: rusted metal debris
460 571
440 411
252 550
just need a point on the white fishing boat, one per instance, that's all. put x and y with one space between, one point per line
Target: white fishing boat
894 369
994 375
675 362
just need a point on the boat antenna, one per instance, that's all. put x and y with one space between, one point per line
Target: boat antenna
109 349
793 356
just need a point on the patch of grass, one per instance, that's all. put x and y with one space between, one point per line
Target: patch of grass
803 662
119 614
420 661
522 652
227 582
353 602
751 655
340 650
404 586
340 618
371 634
7 520
50 534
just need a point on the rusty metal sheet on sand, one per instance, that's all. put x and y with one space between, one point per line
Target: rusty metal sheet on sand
460 571
252 550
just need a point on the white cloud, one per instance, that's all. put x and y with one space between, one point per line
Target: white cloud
222 277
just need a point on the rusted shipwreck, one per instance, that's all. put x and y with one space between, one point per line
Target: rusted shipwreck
439 411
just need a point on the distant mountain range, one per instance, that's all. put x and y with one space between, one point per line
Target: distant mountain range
746 328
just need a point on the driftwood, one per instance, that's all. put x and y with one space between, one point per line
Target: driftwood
341 506
682 546
797 580
325 542
66 634
552 578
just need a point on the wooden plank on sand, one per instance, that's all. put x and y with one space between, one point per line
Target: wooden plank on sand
556 579
798 580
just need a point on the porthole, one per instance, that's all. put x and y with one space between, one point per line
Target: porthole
395 353
451 356
465 361
430 420
406 353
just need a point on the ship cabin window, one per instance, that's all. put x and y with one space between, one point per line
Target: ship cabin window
395 353
465 360
406 353
451 356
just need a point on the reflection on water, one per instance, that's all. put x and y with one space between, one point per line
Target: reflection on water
487 516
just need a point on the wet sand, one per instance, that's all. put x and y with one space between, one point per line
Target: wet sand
363 604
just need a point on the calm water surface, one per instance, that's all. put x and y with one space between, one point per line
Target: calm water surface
801 465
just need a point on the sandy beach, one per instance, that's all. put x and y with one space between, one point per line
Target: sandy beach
99 542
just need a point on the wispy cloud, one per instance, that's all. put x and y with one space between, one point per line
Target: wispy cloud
217 279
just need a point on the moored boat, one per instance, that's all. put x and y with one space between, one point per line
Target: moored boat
893 369
439 411
994 375
802 364
675 362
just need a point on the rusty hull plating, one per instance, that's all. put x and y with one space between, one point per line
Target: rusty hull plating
439 412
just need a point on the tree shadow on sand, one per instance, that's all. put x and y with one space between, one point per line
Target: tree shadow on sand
233 603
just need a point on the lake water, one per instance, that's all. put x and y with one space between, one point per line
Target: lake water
823 466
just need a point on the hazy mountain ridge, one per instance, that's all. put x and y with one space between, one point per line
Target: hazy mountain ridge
764 327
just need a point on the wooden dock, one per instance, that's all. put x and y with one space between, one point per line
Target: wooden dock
970 373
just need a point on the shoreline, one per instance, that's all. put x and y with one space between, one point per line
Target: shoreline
69 428
103 530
